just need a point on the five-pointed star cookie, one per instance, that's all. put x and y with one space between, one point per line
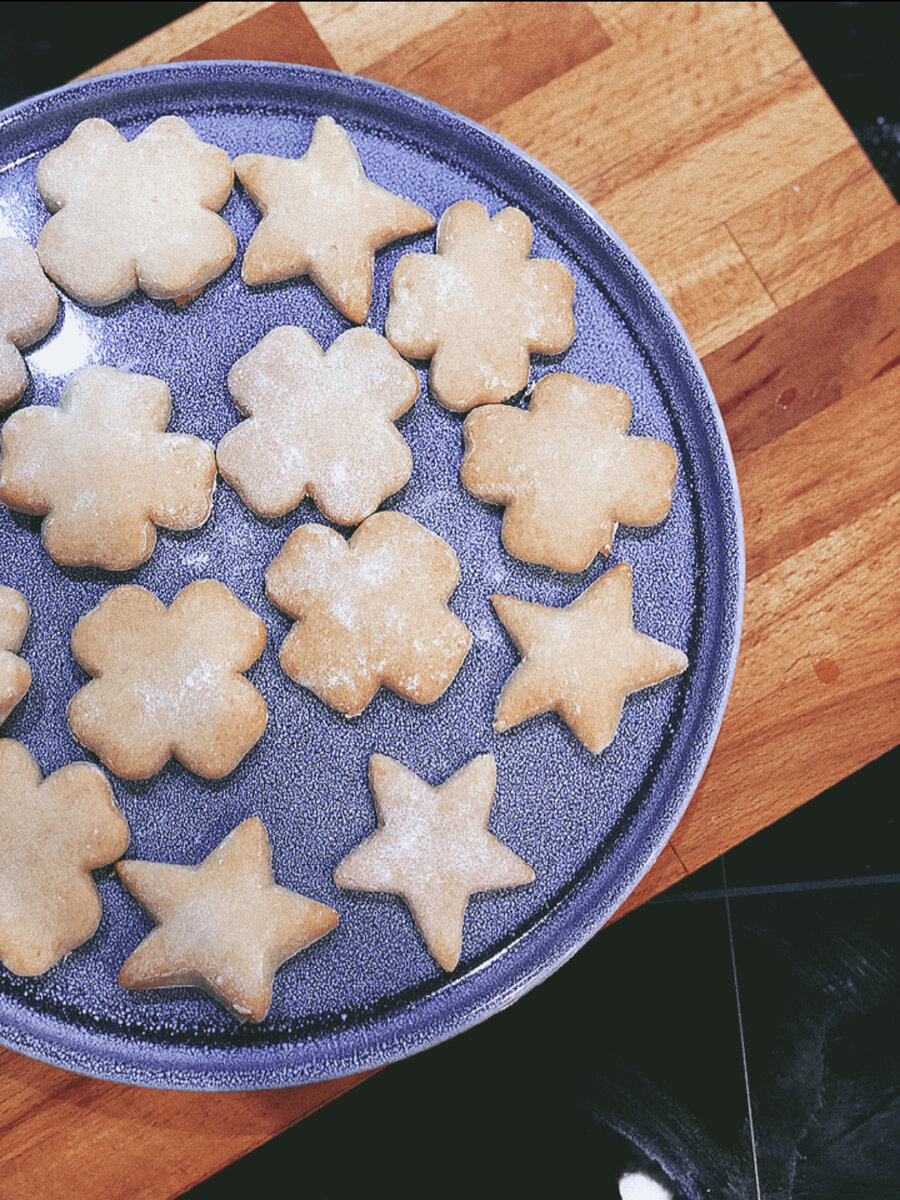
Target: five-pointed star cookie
581 661
15 673
322 217
567 471
224 926
28 307
319 423
169 682
432 847
139 214
103 470
370 612
480 306
53 833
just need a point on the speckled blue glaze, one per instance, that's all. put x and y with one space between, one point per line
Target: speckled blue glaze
591 826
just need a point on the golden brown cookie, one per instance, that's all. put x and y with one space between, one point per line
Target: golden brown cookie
102 472
433 848
15 673
567 471
139 214
53 833
320 424
224 926
370 612
28 307
480 306
167 681
322 217
581 661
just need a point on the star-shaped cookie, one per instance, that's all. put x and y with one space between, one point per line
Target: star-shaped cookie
168 681
479 306
322 217
581 661
224 926
28 307
432 847
566 470
319 424
15 673
103 472
139 214
53 833
370 612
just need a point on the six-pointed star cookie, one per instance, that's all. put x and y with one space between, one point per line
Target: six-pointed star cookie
224 926
140 214
480 306
581 661
567 471
432 847
322 217
168 682
53 833
369 612
15 674
28 307
103 470
319 423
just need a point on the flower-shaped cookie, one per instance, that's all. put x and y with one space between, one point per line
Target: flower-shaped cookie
53 833
320 424
581 661
140 214
369 612
104 472
224 926
433 848
567 471
322 217
168 682
480 306
15 674
28 307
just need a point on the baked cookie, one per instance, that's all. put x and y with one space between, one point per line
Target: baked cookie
370 612
480 306
53 833
432 847
322 217
139 214
28 307
167 682
102 472
581 661
567 471
319 424
224 926
15 673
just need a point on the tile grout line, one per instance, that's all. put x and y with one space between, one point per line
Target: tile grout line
737 998
774 889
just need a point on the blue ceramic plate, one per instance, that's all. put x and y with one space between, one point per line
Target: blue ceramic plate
590 826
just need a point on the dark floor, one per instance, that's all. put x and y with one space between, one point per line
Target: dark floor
735 1039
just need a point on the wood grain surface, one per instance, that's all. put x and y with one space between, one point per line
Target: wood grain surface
701 135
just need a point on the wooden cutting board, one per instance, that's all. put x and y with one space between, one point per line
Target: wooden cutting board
701 135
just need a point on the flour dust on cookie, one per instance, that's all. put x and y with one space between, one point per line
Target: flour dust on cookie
581 661
28 308
433 848
224 926
479 306
139 214
53 833
370 613
168 682
322 217
15 673
319 424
